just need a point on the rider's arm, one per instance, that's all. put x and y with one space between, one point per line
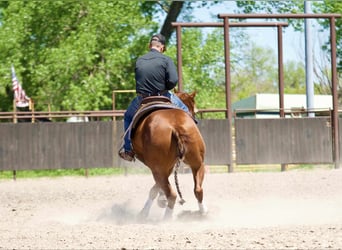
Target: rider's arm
171 75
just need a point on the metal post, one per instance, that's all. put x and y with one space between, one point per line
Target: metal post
227 68
32 111
179 57
281 72
281 80
334 92
228 80
113 103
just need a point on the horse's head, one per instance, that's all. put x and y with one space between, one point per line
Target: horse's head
188 100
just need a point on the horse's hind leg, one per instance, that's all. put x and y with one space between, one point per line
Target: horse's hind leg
152 195
170 195
198 175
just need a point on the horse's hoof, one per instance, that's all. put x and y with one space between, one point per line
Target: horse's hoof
143 215
168 214
141 218
203 209
204 212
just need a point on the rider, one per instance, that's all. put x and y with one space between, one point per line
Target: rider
155 74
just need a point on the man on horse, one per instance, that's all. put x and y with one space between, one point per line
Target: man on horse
155 75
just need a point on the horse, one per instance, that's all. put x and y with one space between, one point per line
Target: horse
163 139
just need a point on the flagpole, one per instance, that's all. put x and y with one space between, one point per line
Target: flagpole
14 121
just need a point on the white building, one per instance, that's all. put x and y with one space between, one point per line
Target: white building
267 105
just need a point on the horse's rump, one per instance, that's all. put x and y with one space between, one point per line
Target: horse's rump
149 105
167 132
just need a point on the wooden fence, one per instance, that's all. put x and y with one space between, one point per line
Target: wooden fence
59 145
284 141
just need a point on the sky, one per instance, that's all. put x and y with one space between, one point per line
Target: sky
293 41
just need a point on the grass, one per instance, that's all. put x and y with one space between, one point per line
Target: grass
52 173
268 168
72 172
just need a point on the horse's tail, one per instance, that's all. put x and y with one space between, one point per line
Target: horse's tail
180 156
179 144
181 201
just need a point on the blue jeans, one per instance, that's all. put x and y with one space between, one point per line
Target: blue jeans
132 109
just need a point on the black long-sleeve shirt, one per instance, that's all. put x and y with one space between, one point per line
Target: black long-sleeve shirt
154 73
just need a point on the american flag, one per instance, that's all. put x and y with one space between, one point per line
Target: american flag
21 99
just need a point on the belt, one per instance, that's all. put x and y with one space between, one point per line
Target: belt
143 95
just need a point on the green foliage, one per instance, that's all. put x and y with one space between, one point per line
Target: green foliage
72 54
290 6
294 78
297 6
203 66
333 6
256 73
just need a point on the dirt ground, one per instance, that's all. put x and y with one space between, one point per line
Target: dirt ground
288 210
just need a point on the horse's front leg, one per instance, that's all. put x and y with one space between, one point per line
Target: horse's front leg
152 195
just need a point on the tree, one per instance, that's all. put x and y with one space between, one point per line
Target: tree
72 54
172 14
203 65
297 6
175 9
294 78
255 73
333 6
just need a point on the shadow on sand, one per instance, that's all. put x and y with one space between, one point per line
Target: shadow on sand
125 213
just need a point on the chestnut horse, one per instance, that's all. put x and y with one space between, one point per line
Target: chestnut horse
161 141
